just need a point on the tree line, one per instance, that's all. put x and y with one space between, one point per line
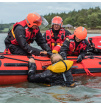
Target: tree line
89 18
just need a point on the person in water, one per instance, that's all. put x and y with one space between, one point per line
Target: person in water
75 44
58 73
25 32
56 35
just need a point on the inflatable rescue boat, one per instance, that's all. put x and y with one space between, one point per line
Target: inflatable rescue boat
14 68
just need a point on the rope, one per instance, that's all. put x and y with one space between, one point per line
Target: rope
2 57
86 70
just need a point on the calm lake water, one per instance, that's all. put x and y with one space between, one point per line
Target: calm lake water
88 89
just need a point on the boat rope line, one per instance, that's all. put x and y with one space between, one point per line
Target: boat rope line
86 69
2 57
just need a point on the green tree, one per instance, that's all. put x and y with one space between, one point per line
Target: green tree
93 20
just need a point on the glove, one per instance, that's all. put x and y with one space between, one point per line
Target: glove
64 55
54 51
79 59
32 68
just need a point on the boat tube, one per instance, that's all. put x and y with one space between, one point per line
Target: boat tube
14 68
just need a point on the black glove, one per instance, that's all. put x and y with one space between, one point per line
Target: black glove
79 59
32 68
64 55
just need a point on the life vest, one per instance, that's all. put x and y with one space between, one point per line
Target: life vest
50 38
75 51
28 34
60 66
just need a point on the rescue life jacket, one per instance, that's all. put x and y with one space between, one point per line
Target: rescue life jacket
60 66
50 38
75 51
28 34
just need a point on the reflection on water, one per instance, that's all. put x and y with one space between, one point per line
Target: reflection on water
88 90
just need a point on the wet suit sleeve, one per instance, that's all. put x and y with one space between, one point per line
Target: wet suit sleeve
42 43
44 37
83 52
41 77
49 77
64 49
21 39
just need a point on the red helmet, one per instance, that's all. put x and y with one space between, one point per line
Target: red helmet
33 19
80 33
57 20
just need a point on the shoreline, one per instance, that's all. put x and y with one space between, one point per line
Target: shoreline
89 31
97 31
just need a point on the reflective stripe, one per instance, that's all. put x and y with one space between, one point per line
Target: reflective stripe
36 14
64 77
53 44
27 20
13 33
58 43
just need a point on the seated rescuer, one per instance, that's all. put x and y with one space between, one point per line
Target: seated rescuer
56 35
58 73
75 44
25 32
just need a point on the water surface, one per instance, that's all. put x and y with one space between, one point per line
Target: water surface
88 89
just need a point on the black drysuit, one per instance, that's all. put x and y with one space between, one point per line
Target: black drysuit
65 48
23 48
48 77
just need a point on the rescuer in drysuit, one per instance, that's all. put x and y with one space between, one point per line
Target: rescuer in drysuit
75 44
56 35
25 32
58 73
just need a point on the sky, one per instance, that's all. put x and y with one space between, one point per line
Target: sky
11 12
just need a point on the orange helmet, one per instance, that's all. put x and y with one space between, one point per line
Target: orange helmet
57 20
33 19
80 33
